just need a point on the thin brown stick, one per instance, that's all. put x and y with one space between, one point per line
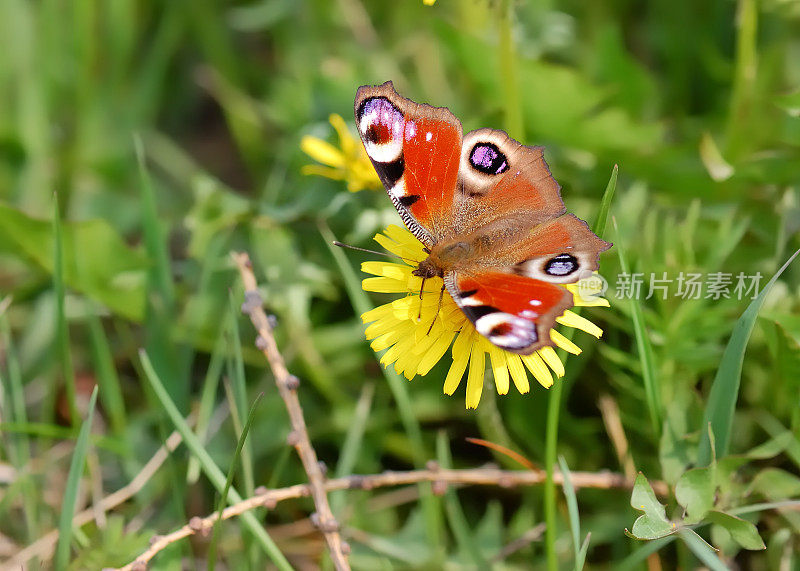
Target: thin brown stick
43 547
485 476
611 419
287 387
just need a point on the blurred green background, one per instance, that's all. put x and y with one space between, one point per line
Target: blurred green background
166 134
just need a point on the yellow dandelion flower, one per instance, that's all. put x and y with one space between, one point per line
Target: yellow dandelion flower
429 2
349 162
416 336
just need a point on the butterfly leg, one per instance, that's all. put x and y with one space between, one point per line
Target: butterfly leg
421 289
438 309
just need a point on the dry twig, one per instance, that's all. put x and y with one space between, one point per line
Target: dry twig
485 476
287 387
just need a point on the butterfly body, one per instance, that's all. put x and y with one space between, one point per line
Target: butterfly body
487 210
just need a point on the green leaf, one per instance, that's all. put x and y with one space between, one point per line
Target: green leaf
743 532
775 484
725 388
648 527
654 523
771 447
695 492
677 446
96 260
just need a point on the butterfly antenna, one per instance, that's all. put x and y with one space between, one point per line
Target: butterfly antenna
343 245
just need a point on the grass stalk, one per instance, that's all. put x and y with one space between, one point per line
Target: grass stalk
210 468
554 404
71 489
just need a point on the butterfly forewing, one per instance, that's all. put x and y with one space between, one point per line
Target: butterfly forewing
415 150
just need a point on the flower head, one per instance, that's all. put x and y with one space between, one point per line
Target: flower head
418 332
349 162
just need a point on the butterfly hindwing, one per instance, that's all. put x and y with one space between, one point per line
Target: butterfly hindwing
512 311
415 150
515 304
562 250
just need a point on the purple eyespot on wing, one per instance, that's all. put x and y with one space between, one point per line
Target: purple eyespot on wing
561 265
487 158
379 121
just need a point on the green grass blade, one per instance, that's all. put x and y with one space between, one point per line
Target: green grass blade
600 223
208 396
212 471
71 489
236 374
721 403
62 327
168 358
20 445
455 514
554 408
702 550
154 241
635 559
574 516
352 443
223 500
645 351
107 378
514 123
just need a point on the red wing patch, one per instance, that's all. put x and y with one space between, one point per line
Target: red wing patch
514 312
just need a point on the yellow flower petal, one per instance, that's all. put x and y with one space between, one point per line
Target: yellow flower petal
346 140
550 357
596 302
460 361
318 170
499 369
401 348
537 367
349 162
437 350
383 285
564 343
380 312
388 339
387 270
518 374
321 151
572 319
477 369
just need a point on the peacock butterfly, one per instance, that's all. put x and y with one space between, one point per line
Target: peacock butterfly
487 210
